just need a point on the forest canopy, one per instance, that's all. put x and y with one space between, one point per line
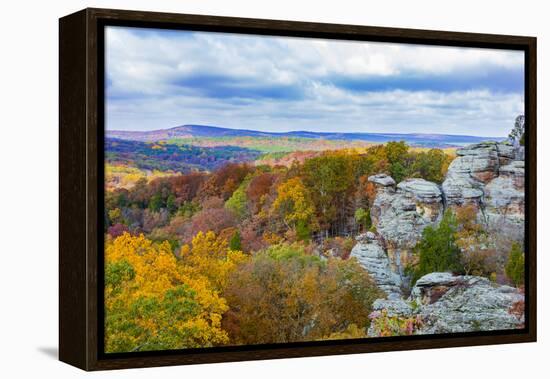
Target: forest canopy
230 256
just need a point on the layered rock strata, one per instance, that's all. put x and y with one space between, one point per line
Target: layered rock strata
489 176
455 304
401 212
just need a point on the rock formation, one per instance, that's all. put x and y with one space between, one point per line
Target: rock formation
489 176
400 214
370 253
504 205
455 304
474 167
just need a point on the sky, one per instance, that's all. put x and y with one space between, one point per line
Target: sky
158 79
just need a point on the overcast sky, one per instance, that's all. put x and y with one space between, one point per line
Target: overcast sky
158 79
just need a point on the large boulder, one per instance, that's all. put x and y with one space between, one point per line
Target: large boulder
455 304
382 181
371 255
400 215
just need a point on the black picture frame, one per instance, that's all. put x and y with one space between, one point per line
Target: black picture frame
81 103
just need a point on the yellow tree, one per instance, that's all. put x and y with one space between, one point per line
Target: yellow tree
209 256
152 304
293 203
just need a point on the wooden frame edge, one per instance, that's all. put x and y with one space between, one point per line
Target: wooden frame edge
72 194
78 196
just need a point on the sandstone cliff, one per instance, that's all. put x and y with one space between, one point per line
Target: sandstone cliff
400 213
489 176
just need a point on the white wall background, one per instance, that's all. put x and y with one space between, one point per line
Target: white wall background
28 193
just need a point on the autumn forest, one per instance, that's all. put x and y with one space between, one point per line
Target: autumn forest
320 189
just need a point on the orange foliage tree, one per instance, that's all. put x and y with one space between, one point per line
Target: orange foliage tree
282 294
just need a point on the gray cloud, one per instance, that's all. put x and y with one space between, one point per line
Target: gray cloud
159 79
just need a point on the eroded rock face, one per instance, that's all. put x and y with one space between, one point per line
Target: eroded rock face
455 304
474 166
370 254
490 176
504 205
401 213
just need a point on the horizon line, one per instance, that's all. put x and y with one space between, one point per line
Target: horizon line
298 131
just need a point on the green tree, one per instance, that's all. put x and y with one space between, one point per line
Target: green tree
303 231
238 200
118 272
115 216
188 209
329 179
515 267
235 241
362 217
398 156
398 171
171 203
431 165
437 250
156 202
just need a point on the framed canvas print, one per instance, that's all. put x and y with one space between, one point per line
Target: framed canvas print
236 189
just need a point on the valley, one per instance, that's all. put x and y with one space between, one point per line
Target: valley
413 227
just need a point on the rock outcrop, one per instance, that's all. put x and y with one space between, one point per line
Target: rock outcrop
382 181
370 253
474 167
490 176
504 205
455 304
400 214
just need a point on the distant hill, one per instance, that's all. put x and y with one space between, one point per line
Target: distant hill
194 131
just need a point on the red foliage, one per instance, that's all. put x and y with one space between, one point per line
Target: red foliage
259 186
212 202
371 192
117 230
518 309
186 187
212 219
252 236
225 181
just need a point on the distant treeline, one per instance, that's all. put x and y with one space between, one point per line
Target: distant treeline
170 157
